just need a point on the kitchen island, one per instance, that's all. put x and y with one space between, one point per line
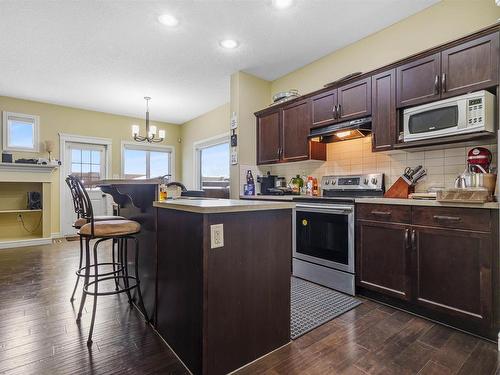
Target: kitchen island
223 283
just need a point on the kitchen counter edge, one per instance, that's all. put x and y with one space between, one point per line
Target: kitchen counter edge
376 200
214 206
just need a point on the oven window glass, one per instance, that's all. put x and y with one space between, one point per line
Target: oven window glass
433 120
324 236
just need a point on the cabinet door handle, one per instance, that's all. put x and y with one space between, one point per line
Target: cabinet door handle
443 82
436 84
339 112
381 213
335 111
407 238
447 218
413 239
278 152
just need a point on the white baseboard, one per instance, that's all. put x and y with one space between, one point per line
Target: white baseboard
56 235
24 243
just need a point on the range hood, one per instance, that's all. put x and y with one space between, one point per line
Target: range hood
342 131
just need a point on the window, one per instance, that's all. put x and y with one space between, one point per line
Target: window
87 162
212 164
145 161
20 132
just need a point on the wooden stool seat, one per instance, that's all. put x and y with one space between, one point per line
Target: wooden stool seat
111 228
82 221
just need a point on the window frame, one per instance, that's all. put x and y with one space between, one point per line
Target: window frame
6 131
91 147
205 143
132 145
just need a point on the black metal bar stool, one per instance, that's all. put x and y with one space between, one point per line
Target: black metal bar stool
121 231
79 222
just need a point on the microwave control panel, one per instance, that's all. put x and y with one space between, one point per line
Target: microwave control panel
475 111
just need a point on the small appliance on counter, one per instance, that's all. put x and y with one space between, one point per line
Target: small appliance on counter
267 183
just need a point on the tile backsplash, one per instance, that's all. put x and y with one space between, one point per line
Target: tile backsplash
356 156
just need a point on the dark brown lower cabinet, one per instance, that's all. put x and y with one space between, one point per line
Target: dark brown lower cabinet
383 246
452 272
430 266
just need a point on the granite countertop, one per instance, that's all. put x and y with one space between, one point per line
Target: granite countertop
381 200
210 206
151 181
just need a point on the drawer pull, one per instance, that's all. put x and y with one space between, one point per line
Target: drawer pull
447 218
381 213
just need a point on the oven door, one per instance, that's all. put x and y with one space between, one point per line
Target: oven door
324 235
434 120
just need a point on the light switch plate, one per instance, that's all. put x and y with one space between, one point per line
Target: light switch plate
216 236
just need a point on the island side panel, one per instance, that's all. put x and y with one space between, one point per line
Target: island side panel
248 288
180 284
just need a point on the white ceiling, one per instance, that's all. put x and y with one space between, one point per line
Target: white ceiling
107 55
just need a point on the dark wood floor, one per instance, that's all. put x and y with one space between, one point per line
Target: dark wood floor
38 333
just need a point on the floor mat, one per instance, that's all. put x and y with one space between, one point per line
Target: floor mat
314 305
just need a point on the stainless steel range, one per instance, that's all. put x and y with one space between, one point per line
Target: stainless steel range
323 250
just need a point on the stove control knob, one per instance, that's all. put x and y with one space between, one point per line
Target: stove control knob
374 181
334 181
327 182
365 181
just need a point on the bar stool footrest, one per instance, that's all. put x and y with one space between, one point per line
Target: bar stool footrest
80 272
121 290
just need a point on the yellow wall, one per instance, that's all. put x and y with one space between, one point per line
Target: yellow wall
211 124
440 23
56 119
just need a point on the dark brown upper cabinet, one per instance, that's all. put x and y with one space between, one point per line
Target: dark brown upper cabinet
296 120
384 126
354 100
342 104
324 108
470 66
282 135
418 81
268 137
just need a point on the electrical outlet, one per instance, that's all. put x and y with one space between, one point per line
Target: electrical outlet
216 236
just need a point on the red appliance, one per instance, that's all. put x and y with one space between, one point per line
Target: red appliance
479 156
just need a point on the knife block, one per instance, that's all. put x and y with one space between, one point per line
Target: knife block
400 189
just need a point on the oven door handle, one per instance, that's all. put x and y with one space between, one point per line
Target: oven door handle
332 209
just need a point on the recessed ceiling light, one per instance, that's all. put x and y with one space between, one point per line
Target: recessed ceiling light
229 43
282 4
168 20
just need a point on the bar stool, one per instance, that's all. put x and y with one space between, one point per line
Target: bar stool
79 222
120 231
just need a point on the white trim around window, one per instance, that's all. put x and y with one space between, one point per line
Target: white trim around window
75 138
32 119
148 147
198 146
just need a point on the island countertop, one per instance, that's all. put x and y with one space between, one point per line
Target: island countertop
207 206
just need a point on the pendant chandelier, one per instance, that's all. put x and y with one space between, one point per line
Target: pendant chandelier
150 136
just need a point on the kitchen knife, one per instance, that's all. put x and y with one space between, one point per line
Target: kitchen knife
417 177
419 167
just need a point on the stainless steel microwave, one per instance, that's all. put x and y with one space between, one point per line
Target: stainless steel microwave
470 113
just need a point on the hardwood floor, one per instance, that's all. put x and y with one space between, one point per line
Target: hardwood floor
38 333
